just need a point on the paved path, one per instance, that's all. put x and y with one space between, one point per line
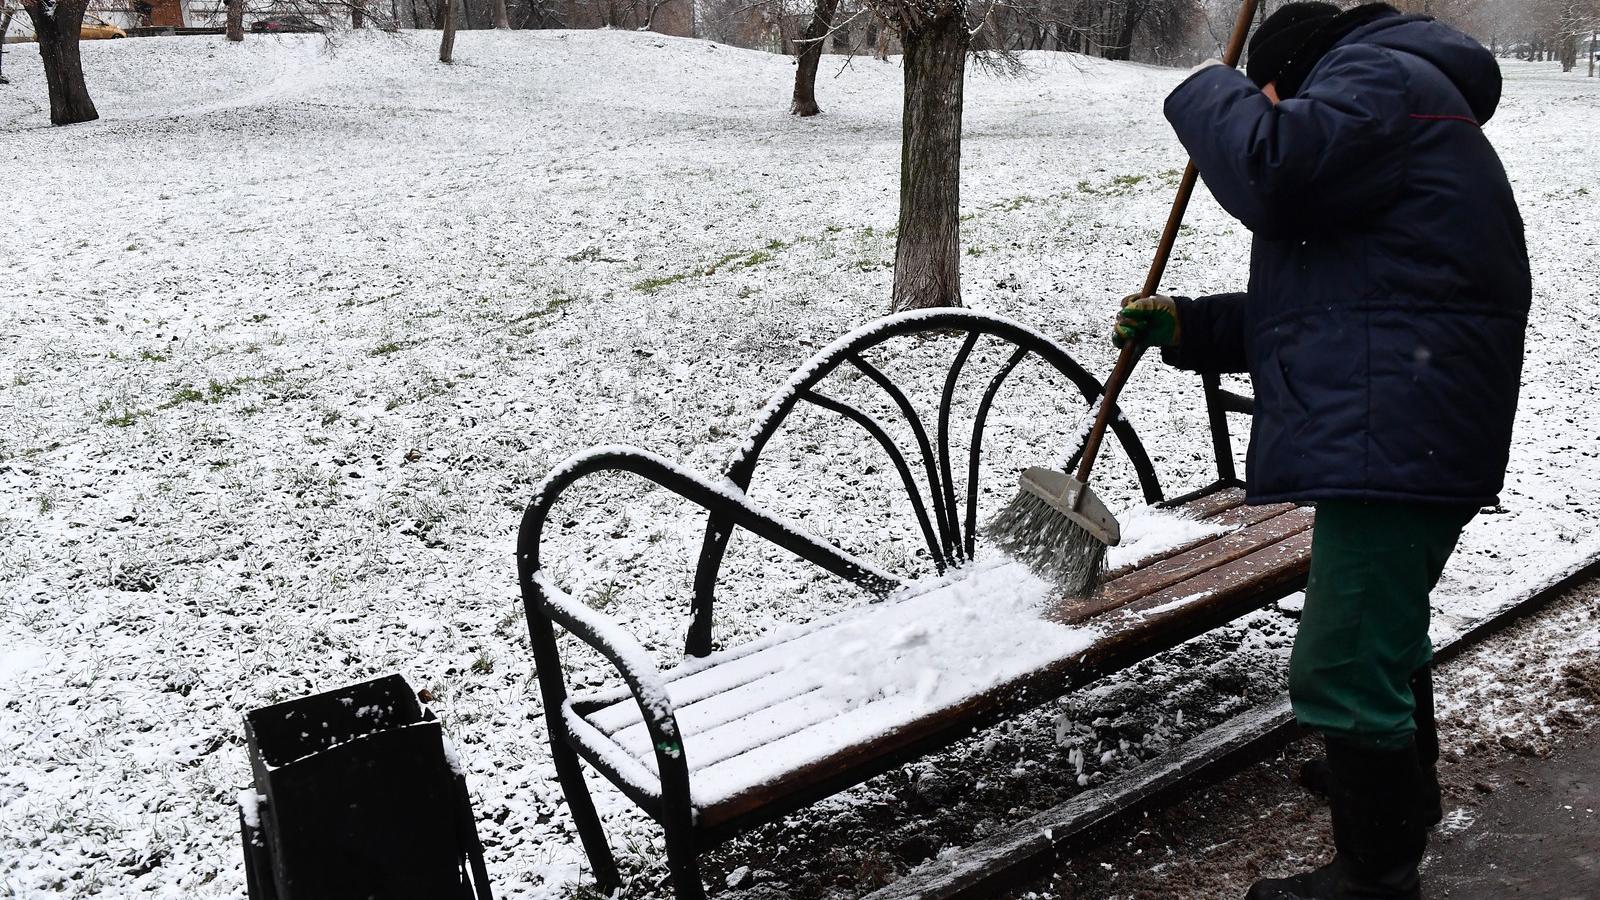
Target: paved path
1537 836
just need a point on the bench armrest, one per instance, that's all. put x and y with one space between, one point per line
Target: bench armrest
632 661
546 603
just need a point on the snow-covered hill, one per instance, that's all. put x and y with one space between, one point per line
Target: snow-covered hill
289 333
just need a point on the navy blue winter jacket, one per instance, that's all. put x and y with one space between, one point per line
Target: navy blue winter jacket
1389 285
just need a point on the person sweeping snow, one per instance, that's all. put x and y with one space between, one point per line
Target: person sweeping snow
1383 333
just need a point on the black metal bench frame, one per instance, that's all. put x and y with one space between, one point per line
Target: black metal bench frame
950 539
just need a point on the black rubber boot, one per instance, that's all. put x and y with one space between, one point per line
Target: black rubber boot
1378 830
1427 738
1316 776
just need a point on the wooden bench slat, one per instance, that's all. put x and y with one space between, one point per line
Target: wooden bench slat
1287 559
1213 504
697 685
1239 516
1156 576
760 728
705 718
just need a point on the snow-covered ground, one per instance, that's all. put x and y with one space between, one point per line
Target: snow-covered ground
289 335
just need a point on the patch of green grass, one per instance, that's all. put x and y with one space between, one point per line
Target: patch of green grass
484 664
652 285
603 596
126 417
1118 186
216 390
738 259
723 260
184 395
386 348
524 323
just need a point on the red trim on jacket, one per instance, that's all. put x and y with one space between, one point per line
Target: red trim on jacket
1445 118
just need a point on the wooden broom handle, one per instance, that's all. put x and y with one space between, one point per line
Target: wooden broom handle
1129 357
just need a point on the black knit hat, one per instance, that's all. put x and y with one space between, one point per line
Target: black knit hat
1291 42
1273 45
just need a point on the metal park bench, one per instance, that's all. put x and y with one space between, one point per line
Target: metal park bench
733 738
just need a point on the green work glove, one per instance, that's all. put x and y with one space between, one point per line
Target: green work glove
1152 320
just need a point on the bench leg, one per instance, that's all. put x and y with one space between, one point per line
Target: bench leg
569 770
683 862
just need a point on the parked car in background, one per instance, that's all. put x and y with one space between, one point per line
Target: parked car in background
97 29
285 25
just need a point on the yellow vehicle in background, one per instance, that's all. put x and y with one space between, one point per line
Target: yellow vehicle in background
97 29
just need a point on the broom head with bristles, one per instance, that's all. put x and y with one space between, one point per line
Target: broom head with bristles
1059 528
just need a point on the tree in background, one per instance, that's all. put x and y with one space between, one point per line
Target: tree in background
235 24
6 12
805 76
56 24
935 36
447 39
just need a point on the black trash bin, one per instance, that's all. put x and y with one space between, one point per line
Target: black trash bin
355 797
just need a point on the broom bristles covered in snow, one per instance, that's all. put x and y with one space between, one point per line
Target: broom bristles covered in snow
1056 548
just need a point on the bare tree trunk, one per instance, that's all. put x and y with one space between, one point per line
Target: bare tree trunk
927 264
502 18
1132 12
235 21
5 28
358 15
447 42
56 27
805 74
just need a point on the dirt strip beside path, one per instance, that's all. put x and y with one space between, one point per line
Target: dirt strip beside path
1516 721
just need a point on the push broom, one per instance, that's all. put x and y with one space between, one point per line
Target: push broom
1056 524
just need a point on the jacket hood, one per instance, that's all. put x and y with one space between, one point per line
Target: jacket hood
1468 64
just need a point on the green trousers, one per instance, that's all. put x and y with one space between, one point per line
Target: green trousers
1364 630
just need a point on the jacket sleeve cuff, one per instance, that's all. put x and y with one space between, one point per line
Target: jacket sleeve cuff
1189 352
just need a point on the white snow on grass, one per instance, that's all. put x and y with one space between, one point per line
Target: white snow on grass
288 349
